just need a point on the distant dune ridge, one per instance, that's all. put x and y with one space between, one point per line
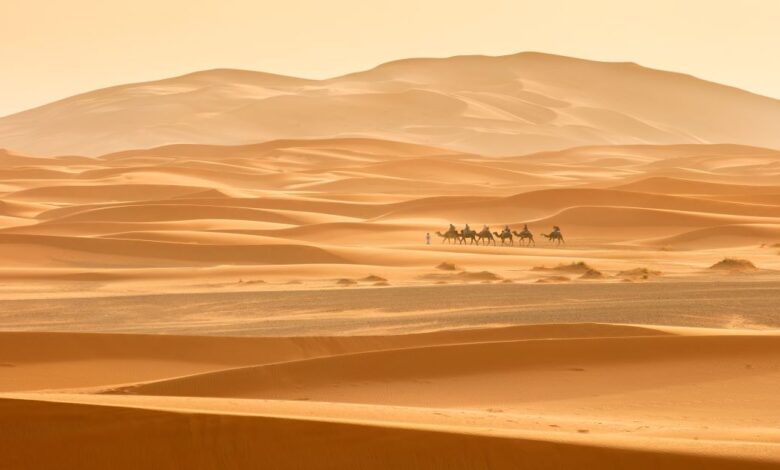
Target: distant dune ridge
503 105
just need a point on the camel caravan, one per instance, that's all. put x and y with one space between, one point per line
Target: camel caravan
507 236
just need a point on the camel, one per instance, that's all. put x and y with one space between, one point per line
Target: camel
525 235
555 236
504 235
486 236
468 235
449 236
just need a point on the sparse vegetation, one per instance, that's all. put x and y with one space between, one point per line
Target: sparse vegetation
552 279
445 266
638 273
577 267
734 264
374 278
346 282
592 274
479 276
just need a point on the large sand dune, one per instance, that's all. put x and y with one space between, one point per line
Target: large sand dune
493 105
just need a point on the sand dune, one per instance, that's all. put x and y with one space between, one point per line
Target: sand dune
176 211
124 358
322 242
411 376
347 233
491 105
679 186
187 437
549 201
610 223
723 236
112 251
555 380
103 193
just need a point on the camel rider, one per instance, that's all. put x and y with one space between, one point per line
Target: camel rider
506 229
556 229
452 228
525 228
467 229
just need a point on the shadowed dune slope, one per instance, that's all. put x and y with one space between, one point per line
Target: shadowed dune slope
201 440
422 370
55 360
152 253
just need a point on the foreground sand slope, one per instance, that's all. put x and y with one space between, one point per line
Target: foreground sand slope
60 359
543 396
202 440
495 105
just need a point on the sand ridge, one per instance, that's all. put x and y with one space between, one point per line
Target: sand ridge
503 105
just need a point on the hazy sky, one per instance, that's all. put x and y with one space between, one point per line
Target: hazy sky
50 49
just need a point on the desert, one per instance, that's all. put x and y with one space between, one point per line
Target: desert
234 269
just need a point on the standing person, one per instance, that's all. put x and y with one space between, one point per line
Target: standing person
428 238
